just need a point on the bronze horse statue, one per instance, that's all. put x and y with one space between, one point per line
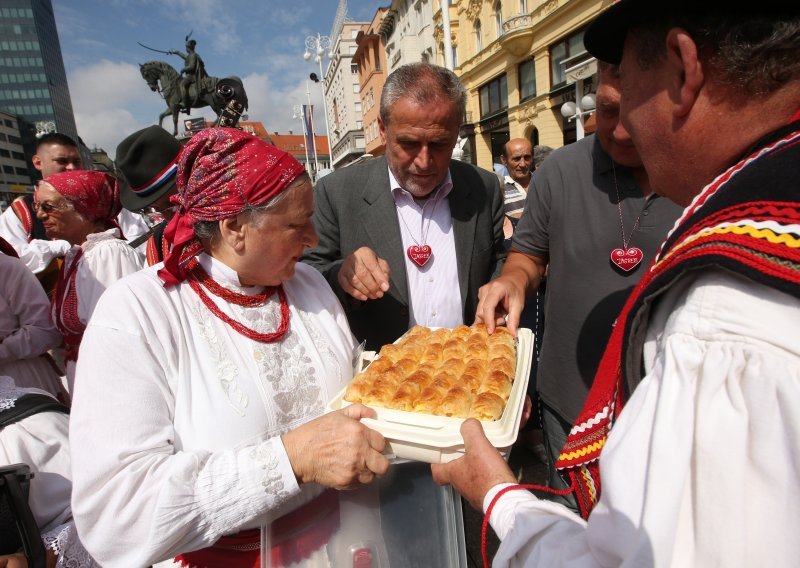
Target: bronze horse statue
162 78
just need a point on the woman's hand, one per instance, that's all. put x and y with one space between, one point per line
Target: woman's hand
336 450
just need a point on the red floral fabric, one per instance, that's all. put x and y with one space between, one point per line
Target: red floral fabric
221 172
95 195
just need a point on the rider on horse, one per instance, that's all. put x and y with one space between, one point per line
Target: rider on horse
194 71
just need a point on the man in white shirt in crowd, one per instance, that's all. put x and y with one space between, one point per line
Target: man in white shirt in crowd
517 157
55 153
700 467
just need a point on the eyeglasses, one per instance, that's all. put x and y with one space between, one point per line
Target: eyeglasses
50 208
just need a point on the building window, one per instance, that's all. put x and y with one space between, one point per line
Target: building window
358 107
21 171
354 69
494 96
560 51
356 88
5 153
478 38
455 56
523 6
527 80
498 20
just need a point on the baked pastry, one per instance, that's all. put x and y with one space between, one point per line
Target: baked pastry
463 372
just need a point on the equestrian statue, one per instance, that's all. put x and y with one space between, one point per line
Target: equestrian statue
192 87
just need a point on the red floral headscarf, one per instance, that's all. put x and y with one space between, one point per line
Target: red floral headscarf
220 173
95 195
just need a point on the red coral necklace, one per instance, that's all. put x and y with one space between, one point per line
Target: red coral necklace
199 278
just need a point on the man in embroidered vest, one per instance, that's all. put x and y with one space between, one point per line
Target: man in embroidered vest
700 466
589 202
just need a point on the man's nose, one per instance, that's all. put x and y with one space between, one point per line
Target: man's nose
621 134
424 158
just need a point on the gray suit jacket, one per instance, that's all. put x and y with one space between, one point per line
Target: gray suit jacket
354 208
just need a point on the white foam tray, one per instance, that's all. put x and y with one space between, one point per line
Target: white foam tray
437 439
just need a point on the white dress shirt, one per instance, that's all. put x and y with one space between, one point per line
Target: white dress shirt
36 254
434 292
701 468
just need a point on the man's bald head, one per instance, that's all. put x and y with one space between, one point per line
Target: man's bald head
517 157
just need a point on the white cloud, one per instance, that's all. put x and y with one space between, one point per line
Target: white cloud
273 106
110 101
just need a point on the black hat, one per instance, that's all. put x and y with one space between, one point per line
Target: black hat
148 161
605 36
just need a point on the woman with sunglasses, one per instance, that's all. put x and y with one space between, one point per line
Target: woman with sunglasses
80 207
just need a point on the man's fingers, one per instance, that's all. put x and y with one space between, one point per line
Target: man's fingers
474 438
441 472
377 463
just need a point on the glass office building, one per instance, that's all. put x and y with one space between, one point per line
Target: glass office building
33 82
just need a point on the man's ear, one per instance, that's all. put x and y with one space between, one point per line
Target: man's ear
37 162
232 232
382 130
690 75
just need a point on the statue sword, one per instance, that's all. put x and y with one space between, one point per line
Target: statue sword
154 49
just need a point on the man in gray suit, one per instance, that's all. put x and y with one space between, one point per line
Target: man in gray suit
399 235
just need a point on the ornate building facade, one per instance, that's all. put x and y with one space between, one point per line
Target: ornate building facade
520 61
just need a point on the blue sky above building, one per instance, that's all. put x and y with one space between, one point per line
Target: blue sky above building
261 41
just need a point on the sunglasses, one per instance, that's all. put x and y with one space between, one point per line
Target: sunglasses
50 208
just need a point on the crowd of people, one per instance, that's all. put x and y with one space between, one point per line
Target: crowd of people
179 330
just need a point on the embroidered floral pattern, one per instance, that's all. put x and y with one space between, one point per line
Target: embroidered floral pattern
64 541
272 481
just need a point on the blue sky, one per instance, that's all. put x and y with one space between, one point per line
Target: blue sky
261 41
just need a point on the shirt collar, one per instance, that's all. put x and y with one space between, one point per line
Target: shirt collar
440 191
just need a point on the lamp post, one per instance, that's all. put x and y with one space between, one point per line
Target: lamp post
317 46
297 112
578 112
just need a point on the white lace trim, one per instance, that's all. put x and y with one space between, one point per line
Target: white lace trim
10 393
64 541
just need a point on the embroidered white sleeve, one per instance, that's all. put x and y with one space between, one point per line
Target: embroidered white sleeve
64 541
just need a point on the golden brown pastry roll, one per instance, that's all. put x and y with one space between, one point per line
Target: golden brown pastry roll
380 394
392 352
461 332
428 400
455 403
502 350
479 330
433 354
357 390
477 351
502 364
487 406
501 335
477 367
439 335
418 331
379 365
470 381
498 383
445 376
392 376
454 365
439 386
405 367
404 398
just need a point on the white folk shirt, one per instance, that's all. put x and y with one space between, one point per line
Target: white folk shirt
177 418
434 292
106 258
701 468
36 254
26 330
41 442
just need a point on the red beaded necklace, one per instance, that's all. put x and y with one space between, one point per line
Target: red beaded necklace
199 278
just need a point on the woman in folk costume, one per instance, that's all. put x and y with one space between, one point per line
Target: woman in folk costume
34 431
212 370
26 331
80 207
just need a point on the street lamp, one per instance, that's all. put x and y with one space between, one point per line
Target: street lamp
316 46
297 112
572 111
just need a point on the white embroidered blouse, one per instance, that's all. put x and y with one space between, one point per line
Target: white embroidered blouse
177 418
